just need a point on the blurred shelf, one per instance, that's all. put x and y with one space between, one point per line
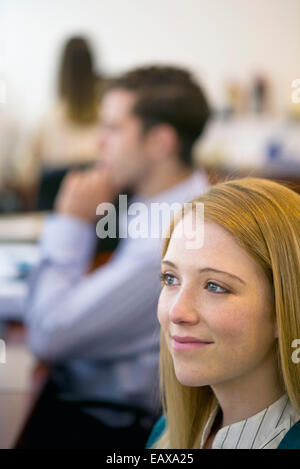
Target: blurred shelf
288 174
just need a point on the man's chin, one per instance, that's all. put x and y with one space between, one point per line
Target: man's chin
122 185
124 189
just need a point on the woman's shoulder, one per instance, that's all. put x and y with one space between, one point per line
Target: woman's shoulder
157 431
290 441
292 438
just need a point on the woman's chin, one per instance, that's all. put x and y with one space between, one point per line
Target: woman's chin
189 379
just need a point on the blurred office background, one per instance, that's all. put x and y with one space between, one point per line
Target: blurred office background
221 41
246 56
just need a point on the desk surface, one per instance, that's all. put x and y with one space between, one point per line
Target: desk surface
21 227
16 260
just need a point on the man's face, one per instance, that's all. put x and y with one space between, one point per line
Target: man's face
121 140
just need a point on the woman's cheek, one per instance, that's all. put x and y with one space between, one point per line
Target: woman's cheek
162 311
160 318
229 325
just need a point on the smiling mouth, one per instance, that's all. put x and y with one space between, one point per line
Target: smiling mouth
187 343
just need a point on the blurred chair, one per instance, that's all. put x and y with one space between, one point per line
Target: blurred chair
55 423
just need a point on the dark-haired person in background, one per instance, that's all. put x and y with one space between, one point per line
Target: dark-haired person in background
68 133
99 330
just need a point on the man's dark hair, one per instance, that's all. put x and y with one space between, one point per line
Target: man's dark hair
168 95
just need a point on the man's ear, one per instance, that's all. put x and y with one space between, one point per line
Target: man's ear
162 141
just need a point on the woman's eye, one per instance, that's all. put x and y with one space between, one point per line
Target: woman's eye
215 288
168 279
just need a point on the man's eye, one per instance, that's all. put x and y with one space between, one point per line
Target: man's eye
215 288
168 279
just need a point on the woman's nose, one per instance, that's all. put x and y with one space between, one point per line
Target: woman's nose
183 309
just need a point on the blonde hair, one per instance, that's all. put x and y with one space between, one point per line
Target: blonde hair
264 218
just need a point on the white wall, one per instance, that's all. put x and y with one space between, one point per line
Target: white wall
217 39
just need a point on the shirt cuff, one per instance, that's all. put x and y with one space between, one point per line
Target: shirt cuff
67 239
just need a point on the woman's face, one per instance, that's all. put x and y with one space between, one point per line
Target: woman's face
219 295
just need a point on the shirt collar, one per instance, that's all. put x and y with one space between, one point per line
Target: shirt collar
262 430
188 189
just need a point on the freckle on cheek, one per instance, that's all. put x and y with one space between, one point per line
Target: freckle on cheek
229 327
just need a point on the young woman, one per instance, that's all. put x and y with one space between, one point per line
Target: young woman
230 319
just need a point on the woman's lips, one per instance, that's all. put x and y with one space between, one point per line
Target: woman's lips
187 343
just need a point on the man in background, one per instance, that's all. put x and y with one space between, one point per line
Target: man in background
99 330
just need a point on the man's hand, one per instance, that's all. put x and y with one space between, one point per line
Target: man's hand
82 191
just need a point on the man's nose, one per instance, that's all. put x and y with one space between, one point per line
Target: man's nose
184 310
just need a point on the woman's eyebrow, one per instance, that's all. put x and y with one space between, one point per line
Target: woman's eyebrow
208 269
169 263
